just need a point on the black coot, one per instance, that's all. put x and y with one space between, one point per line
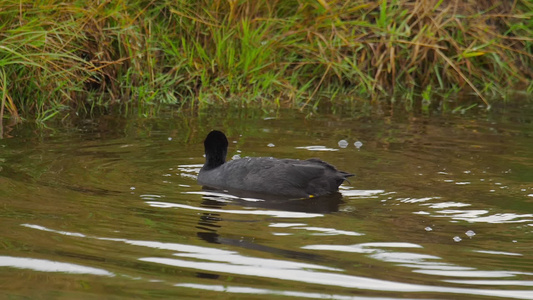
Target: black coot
266 175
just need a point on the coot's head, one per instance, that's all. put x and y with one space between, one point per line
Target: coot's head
216 149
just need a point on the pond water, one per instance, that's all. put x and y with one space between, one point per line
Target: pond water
441 208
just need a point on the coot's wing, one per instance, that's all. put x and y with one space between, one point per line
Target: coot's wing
272 175
330 167
299 175
291 177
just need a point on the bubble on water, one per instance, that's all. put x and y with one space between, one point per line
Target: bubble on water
132 188
470 233
271 145
428 229
358 144
343 143
457 239
170 139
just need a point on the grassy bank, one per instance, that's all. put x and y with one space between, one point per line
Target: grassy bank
76 55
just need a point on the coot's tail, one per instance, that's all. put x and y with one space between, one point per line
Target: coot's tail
343 177
346 174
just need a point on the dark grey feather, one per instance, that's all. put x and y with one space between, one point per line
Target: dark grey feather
286 177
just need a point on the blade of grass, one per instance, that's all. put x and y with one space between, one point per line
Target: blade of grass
463 77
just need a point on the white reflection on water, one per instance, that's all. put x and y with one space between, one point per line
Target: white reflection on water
361 248
44 265
54 231
199 252
317 148
331 279
272 213
471 274
421 263
320 230
402 257
416 200
285 225
493 282
472 215
190 168
347 192
230 262
189 171
498 252
436 266
222 197
330 231
477 216
236 259
301 275
256 291
442 205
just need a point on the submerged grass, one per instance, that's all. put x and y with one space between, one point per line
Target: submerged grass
78 55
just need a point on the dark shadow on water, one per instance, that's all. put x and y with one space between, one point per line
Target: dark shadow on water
209 223
322 205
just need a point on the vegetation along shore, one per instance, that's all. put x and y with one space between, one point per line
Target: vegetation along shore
77 55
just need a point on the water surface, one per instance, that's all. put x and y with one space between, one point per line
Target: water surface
441 208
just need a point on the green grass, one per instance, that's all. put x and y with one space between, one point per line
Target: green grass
73 56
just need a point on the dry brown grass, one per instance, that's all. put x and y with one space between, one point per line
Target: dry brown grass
58 55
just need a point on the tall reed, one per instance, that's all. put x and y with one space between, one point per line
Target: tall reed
76 55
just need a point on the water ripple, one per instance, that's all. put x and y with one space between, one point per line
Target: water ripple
231 262
321 230
277 293
471 274
317 148
44 265
272 213
498 252
477 216
361 248
493 282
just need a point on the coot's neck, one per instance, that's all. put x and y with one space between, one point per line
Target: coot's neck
214 159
